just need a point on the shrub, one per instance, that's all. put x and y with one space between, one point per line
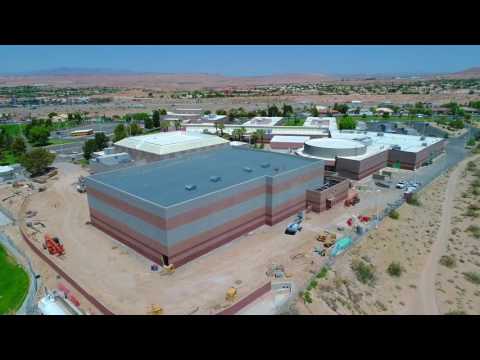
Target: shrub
471 142
322 273
475 230
413 200
394 215
471 166
313 284
474 207
472 213
476 191
307 298
473 277
448 261
365 273
395 269
456 312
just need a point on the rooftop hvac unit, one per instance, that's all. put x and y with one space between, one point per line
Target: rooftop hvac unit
247 169
396 147
422 138
424 144
190 187
380 134
215 178
265 165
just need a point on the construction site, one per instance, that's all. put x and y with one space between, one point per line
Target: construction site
251 226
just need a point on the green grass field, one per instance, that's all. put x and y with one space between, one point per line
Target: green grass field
14 283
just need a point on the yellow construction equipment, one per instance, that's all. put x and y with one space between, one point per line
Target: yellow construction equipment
231 294
327 238
170 269
156 310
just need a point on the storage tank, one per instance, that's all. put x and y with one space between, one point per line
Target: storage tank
330 148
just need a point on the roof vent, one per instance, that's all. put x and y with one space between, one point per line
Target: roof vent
190 187
215 178
265 165
247 169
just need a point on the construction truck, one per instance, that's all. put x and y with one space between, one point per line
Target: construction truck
53 245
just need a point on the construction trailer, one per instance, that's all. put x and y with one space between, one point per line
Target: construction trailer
173 211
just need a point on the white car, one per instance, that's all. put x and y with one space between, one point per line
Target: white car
400 185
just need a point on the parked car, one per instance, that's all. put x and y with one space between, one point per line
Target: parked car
400 185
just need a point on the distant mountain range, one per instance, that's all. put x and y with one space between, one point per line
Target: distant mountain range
66 76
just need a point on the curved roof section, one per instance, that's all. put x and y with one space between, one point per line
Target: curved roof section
170 142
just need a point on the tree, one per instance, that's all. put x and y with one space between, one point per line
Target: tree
262 112
343 108
177 124
148 123
48 123
119 133
385 115
162 111
89 148
347 123
314 111
101 141
273 111
261 136
5 140
18 146
37 161
155 119
221 126
39 135
135 129
221 112
164 125
207 112
287 110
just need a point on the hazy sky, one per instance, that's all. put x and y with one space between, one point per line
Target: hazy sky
243 60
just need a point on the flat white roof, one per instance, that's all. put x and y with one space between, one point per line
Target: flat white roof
336 143
328 122
263 120
170 142
213 117
290 139
408 143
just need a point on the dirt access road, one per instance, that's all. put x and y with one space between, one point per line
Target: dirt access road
424 302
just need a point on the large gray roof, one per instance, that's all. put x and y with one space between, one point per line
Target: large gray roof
164 182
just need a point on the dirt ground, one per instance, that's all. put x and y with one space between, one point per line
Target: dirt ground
416 242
